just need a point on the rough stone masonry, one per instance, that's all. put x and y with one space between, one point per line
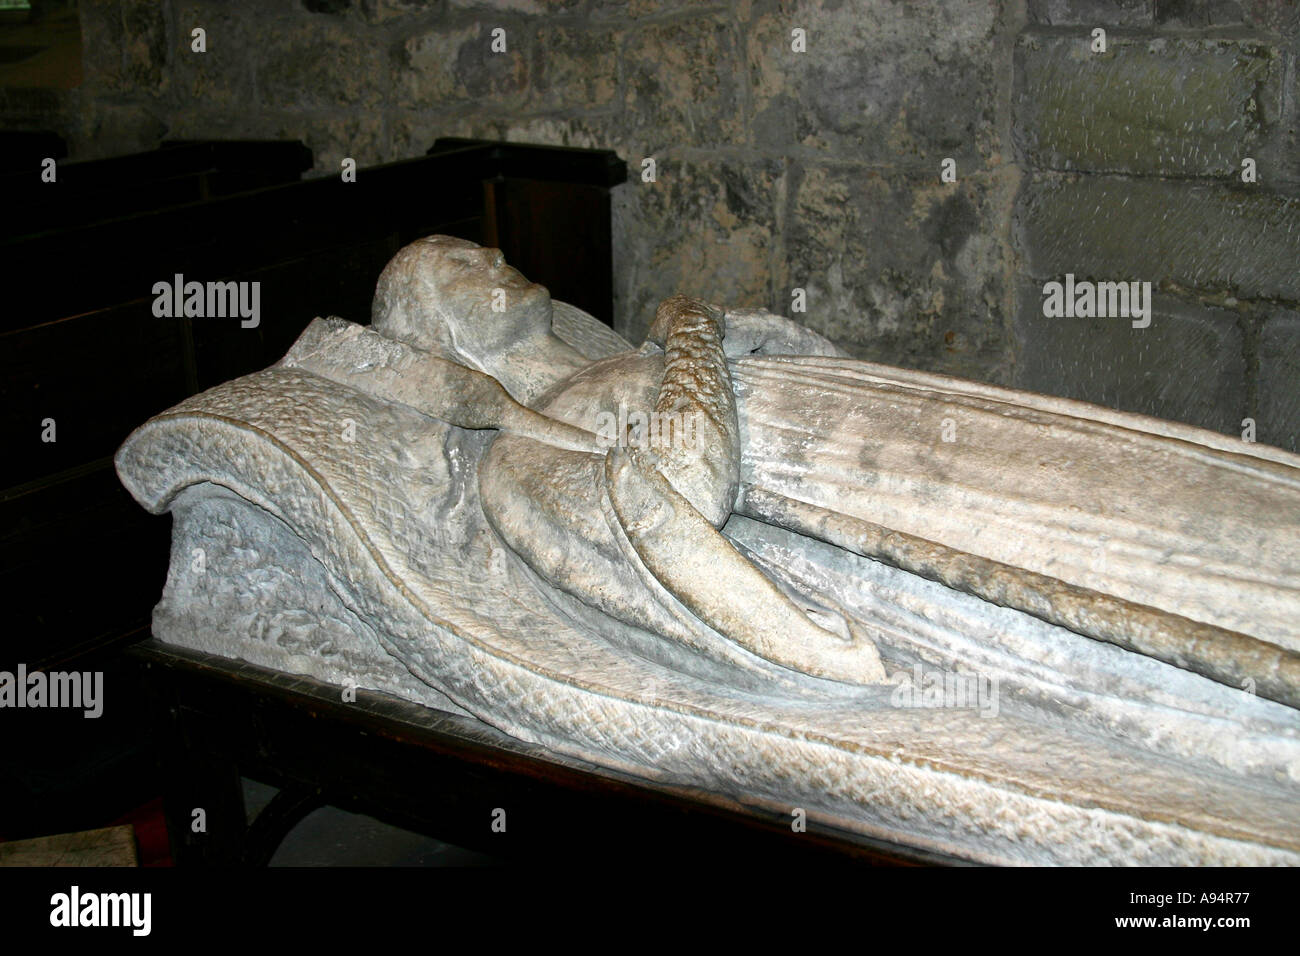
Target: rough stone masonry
820 170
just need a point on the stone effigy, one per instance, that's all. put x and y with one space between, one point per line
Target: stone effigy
994 624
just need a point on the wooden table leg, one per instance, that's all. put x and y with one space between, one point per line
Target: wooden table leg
203 799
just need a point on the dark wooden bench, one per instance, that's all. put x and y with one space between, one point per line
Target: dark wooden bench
21 151
176 173
436 773
87 352
81 562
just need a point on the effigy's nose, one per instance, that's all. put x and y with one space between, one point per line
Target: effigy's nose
492 258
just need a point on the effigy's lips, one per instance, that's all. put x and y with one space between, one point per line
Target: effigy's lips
382 505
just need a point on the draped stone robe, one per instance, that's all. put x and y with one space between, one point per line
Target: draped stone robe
372 560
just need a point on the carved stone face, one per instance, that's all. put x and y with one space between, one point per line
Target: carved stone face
455 297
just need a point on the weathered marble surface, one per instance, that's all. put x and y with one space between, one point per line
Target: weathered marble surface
317 503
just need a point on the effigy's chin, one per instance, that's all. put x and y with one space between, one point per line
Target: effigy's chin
320 529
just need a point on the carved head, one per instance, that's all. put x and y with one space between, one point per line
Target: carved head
458 299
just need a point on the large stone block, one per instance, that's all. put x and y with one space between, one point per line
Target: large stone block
636 9
124 47
322 63
1240 241
546 66
455 65
577 66
379 11
412 132
1187 365
1097 13
145 49
200 123
1278 390
221 77
359 136
684 84
599 131
1177 106
883 83
1198 13
101 45
705 228
518 6
1292 172
906 271
1276 16
102 129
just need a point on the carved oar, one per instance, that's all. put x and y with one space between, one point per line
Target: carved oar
1228 657
694 562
